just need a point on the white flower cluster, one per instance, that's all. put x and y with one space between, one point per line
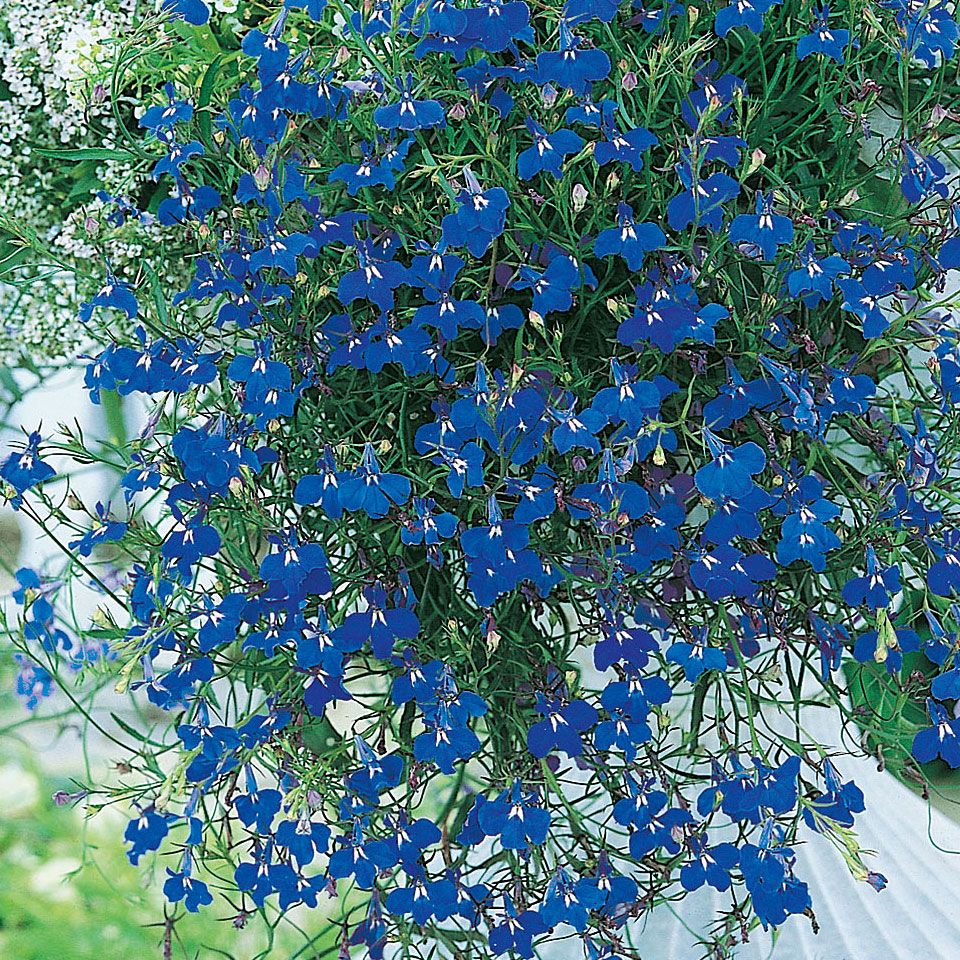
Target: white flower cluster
49 51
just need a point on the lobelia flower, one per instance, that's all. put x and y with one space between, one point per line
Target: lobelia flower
921 176
145 833
480 217
629 239
569 900
574 65
804 534
257 807
813 279
838 804
515 934
742 13
374 279
515 818
180 885
561 726
886 644
940 739
822 39
378 625
764 230
379 164
25 470
370 491
697 656
712 865
702 202
875 590
627 147
767 870
730 470
710 93
423 900
408 113
943 577
115 294
552 289
548 151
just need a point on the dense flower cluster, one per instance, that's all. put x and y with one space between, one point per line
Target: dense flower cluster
66 170
552 409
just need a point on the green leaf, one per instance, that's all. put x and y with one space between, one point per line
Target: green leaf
88 153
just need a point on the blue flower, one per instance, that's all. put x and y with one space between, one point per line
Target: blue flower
574 65
626 147
547 152
181 885
728 572
22 471
767 871
609 496
322 488
921 176
940 739
303 838
701 203
516 818
378 166
712 865
406 844
145 833
374 279
569 900
553 288
378 625
370 491
943 577
886 645
813 279
865 306
764 230
742 13
492 25
804 534
627 704
631 240
838 804
822 39
293 571
731 468
106 531
188 543
115 294
479 219
875 590
928 30
561 727
422 899
515 934
408 113
257 808
352 859
193 11
697 657
622 644
612 890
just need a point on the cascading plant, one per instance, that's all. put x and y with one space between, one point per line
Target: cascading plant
564 393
